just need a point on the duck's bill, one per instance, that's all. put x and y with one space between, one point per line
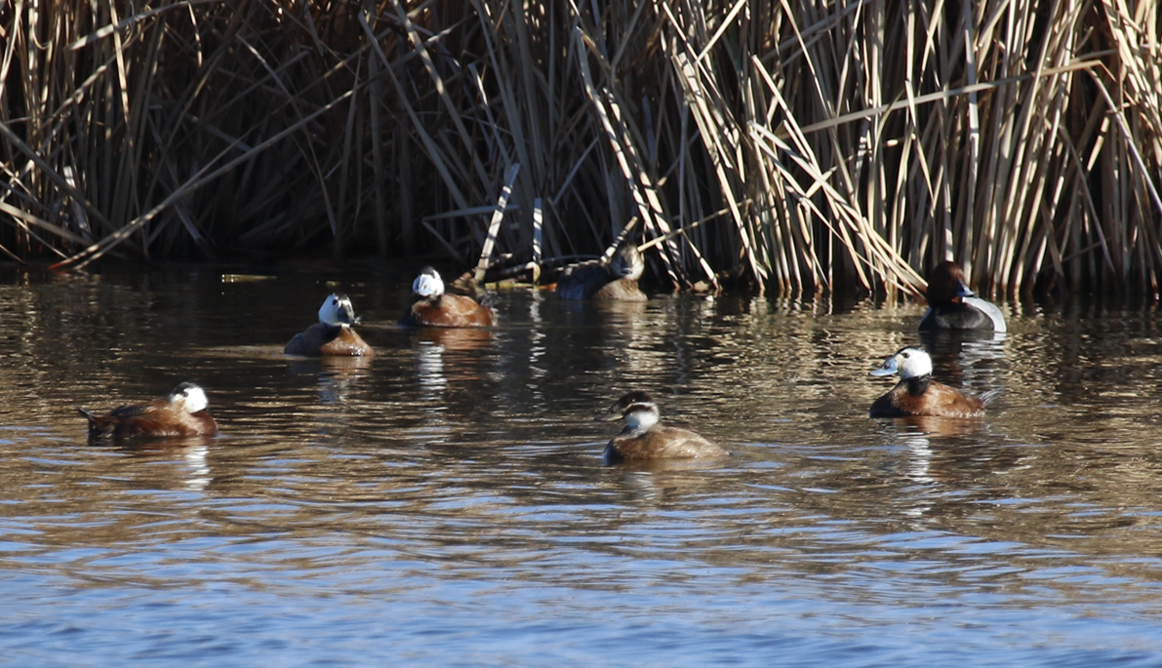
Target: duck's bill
888 368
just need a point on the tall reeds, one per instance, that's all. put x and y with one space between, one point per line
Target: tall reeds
799 145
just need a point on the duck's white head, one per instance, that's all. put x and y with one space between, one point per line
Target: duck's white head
909 362
428 284
637 409
189 397
337 310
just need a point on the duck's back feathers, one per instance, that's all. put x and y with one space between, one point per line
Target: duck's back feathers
156 418
661 442
449 310
970 313
990 310
328 341
581 281
931 399
592 281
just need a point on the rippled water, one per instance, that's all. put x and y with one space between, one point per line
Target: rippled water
446 503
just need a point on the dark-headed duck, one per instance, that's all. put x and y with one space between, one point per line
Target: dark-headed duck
644 439
434 308
333 335
952 305
918 394
615 281
181 413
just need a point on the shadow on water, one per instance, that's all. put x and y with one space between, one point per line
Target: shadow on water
446 498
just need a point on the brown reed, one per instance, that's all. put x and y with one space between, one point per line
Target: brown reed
801 146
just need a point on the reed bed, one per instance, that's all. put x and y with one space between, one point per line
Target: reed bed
796 146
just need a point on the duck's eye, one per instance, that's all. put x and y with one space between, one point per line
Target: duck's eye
905 355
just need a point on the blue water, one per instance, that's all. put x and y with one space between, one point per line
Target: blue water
445 503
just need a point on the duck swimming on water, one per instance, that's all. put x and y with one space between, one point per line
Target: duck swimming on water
434 308
918 394
644 439
333 335
952 305
180 413
614 281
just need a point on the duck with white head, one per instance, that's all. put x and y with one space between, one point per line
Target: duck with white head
644 439
918 394
433 307
182 412
333 335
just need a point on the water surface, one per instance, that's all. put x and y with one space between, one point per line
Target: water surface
445 502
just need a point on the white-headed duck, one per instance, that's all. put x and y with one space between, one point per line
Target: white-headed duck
434 308
333 335
180 413
918 394
644 439
615 281
952 305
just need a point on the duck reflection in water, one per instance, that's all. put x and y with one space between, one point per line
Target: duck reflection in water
180 413
644 439
462 346
917 394
615 281
333 335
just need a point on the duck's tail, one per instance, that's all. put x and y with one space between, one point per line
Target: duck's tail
95 427
487 299
990 396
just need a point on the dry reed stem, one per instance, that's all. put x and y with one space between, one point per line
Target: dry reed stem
494 225
852 144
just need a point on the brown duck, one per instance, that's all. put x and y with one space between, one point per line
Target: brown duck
180 413
644 439
333 335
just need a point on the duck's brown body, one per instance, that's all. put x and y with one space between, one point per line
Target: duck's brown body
323 340
614 281
661 442
448 311
593 281
155 418
924 396
623 289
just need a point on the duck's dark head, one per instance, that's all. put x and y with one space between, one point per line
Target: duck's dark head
637 409
947 284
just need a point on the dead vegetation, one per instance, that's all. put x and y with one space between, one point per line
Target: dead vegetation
803 146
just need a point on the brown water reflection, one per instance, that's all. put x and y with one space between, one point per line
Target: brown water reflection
451 487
